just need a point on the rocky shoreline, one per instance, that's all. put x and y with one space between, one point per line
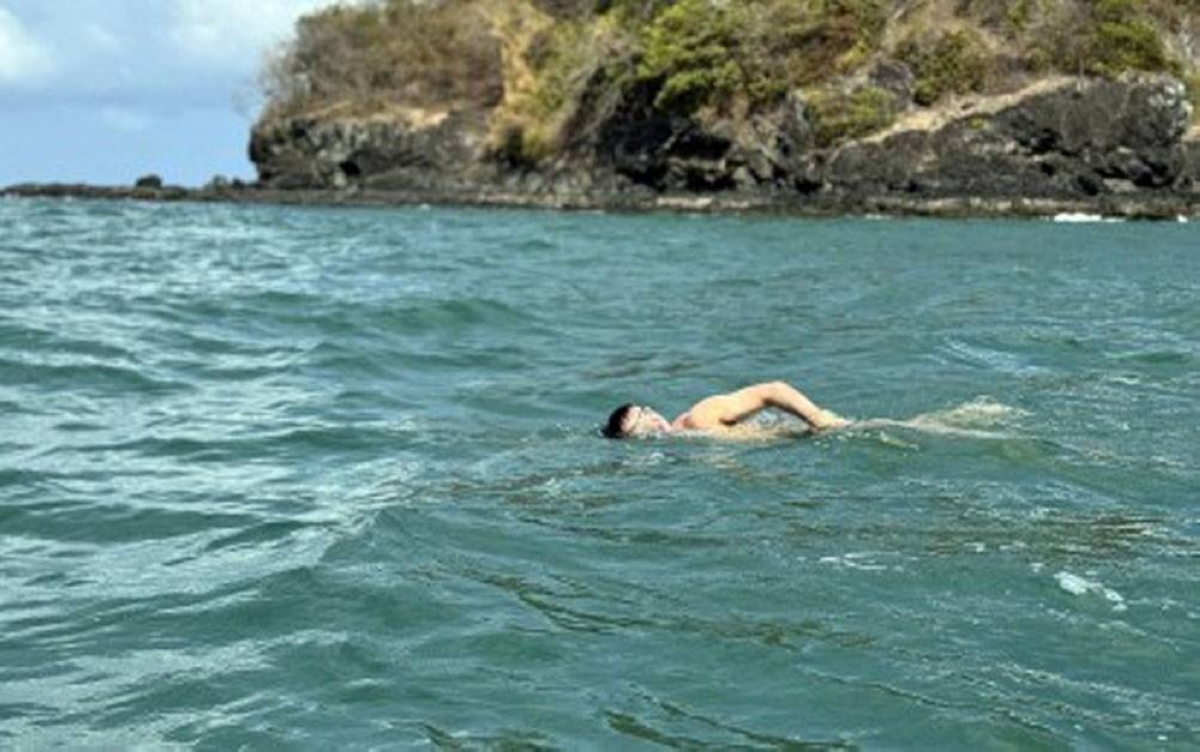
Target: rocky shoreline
1162 207
1121 148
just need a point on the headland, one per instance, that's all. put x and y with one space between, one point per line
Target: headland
865 107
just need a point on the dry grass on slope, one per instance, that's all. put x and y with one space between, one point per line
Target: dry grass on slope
531 62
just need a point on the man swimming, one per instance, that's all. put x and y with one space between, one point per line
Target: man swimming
720 413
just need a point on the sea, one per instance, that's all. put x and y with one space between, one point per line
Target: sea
332 478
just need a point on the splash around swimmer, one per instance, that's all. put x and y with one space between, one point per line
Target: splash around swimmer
721 413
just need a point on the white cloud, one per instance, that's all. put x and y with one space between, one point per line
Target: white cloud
127 86
23 59
144 55
234 34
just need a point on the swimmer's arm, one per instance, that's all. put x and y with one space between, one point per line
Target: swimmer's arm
729 409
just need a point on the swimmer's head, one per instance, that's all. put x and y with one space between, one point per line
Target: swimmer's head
634 420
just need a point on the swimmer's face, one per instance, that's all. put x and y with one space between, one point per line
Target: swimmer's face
642 421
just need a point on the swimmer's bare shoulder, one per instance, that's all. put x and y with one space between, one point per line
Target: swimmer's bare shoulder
721 412
706 415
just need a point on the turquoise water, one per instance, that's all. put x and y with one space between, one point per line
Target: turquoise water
283 477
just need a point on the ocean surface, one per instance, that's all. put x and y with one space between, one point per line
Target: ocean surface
331 478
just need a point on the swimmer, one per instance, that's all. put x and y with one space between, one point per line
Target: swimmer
721 413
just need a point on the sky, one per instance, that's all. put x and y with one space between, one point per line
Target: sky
104 91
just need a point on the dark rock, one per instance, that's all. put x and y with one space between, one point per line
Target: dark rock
309 153
568 8
1127 130
669 152
636 138
896 78
795 129
1078 140
1191 177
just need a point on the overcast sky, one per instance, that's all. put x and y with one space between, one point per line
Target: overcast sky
103 91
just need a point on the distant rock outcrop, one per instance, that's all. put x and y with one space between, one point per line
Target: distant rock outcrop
407 149
1063 138
1072 138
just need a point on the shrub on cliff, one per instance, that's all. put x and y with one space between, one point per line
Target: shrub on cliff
556 66
692 49
1102 37
393 52
954 62
707 53
839 116
1193 88
1125 39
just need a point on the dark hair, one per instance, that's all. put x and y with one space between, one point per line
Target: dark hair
612 429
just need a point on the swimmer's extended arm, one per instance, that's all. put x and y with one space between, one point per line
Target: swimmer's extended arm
729 409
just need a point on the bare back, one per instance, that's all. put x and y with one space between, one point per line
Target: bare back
722 413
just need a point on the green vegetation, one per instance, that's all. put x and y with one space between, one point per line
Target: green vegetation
709 53
1020 13
1125 39
692 47
953 63
1193 86
1107 37
840 116
534 63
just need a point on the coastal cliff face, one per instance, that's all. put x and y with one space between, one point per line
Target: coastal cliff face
1071 138
839 103
1062 138
401 149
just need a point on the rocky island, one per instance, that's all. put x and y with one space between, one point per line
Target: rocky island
808 106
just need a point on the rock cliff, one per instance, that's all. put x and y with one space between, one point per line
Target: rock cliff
1073 138
410 149
1059 139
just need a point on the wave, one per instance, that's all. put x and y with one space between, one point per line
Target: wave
1076 585
450 315
86 376
980 418
1076 217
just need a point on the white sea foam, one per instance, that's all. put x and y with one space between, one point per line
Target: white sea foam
861 560
1076 585
981 411
979 418
1083 217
